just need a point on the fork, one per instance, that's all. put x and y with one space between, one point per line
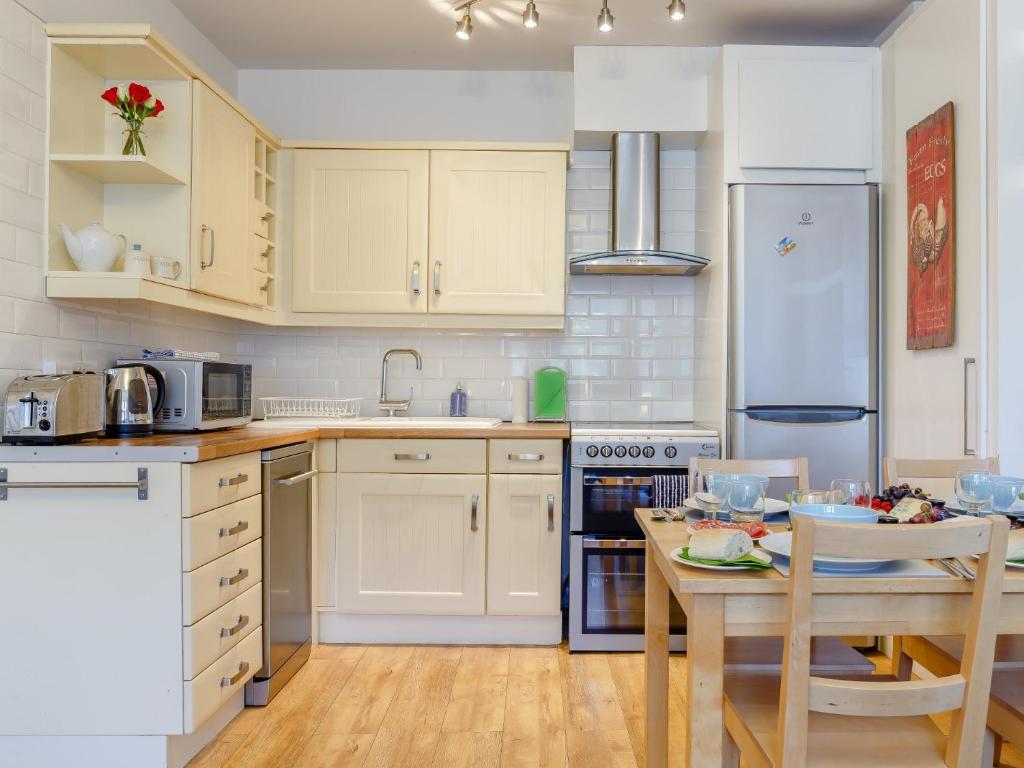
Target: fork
954 566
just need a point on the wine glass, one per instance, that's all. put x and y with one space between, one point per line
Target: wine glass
1005 492
806 496
855 492
746 501
974 491
712 499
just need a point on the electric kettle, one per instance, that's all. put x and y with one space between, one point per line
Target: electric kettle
130 405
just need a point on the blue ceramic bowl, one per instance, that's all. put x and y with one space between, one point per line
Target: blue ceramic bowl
839 513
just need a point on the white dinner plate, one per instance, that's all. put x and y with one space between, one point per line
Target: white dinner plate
705 567
773 507
781 543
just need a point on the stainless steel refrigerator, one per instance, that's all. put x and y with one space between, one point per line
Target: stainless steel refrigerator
803 334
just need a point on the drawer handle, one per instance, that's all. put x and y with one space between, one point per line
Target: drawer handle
243 670
227 482
473 505
412 457
525 457
227 581
243 622
551 511
240 526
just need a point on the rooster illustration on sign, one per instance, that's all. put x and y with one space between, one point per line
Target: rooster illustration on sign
927 236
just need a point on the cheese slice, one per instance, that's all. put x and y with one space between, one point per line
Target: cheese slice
908 507
720 544
1015 546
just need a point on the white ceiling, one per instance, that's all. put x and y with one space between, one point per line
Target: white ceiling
419 34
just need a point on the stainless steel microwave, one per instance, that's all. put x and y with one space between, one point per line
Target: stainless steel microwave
203 395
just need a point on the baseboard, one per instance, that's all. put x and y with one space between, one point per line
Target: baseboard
440 630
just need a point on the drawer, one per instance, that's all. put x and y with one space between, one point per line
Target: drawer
212 484
409 457
209 639
529 457
206 589
213 534
222 680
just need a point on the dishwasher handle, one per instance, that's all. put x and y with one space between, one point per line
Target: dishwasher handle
295 479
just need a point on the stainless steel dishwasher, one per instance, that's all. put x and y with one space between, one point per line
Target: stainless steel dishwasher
287 568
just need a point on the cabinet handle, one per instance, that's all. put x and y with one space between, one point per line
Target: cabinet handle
525 457
243 622
213 247
437 278
551 511
242 525
415 278
243 669
968 362
412 457
474 504
227 581
227 482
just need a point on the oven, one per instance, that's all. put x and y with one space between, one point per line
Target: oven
610 477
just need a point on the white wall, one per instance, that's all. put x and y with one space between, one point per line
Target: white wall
162 14
407 104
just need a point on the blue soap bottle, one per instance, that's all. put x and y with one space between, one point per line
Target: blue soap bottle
458 402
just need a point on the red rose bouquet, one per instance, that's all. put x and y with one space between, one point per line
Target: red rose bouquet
134 103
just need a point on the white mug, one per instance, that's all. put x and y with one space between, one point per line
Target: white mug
165 266
137 261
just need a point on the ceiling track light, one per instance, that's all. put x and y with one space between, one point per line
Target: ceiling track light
677 10
605 20
464 26
530 16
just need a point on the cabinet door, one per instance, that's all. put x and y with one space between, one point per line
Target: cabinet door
524 545
223 147
360 231
497 233
411 544
806 113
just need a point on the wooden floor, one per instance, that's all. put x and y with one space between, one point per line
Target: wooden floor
454 707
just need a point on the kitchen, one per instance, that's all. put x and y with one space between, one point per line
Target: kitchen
644 352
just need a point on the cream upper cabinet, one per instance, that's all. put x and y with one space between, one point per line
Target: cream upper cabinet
360 231
524 550
411 544
223 147
497 232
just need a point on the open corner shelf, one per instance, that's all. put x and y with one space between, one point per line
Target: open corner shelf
118 169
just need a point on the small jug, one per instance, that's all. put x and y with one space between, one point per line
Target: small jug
136 261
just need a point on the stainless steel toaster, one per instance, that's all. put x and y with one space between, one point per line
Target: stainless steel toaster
54 409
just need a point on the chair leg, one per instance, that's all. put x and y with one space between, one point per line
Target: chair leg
902 665
730 751
997 748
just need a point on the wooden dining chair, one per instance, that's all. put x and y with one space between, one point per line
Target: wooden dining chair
795 719
829 655
937 476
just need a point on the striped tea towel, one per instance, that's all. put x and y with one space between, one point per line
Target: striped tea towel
180 354
669 490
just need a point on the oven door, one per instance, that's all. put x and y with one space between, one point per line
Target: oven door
603 499
226 393
606 600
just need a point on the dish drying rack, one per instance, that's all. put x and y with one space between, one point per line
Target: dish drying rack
310 407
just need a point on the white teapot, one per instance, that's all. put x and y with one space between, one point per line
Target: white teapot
92 248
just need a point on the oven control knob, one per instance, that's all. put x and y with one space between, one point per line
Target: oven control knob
606 451
634 451
648 452
591 451
670 452
620 451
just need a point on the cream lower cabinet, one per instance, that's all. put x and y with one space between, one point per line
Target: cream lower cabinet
524 545
411 544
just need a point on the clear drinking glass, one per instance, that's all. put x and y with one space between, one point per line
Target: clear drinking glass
974 491
1005 492
713 497
855 492
805 496
746 501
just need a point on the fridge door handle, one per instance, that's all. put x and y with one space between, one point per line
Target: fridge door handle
791 415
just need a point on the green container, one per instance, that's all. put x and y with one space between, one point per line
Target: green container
549 400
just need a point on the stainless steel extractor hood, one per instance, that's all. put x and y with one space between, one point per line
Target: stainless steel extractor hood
636 221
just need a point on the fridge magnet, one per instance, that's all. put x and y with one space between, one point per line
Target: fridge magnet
785 245
931 251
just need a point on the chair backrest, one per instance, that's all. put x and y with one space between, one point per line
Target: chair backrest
783 469
933 475
966 692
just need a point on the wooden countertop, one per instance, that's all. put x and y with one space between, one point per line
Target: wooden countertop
203 446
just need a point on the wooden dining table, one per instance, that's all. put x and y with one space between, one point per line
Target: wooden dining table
752 603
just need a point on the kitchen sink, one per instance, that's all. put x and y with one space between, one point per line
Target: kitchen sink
386 422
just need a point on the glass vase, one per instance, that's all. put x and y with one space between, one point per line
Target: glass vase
133 139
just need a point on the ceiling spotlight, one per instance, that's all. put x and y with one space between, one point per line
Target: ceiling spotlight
605 20
530 16
464 26
677 10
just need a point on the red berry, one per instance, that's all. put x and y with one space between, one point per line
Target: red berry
886 506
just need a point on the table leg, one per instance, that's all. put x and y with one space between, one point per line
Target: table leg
656 604
705 673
